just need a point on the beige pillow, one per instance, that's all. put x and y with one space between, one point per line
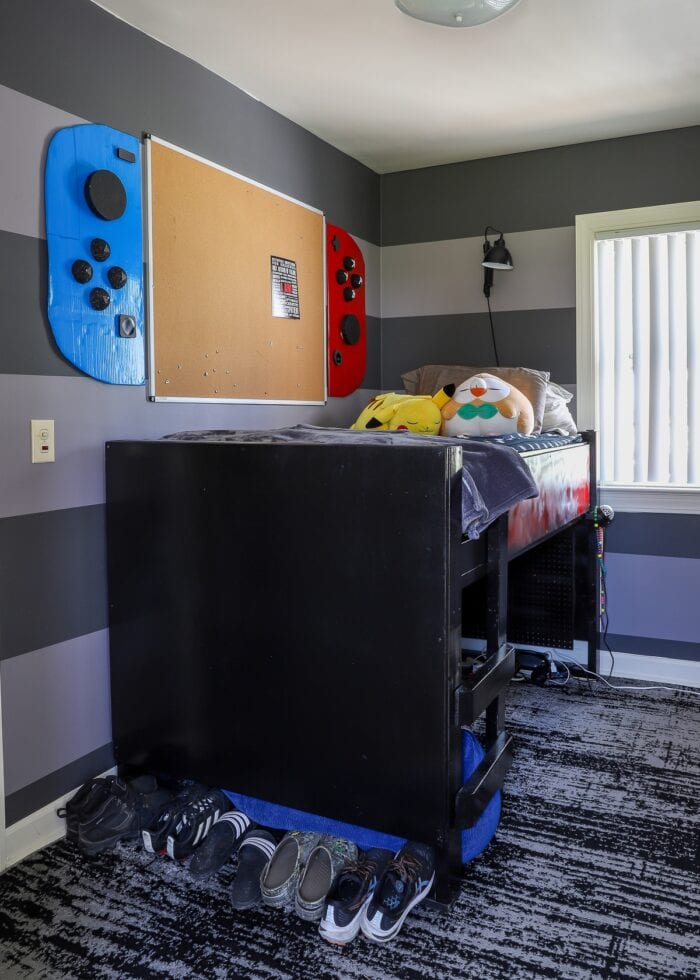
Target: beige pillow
430 378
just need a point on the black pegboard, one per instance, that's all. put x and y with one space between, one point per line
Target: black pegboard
541 594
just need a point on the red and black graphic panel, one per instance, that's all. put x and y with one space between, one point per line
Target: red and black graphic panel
347 321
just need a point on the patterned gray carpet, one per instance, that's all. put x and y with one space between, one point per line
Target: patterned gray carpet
592 874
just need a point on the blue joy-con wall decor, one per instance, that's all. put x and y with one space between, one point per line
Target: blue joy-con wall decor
94 233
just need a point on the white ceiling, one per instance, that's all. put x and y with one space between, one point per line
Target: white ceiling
397 94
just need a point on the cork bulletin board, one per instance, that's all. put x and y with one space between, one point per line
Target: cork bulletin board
236 286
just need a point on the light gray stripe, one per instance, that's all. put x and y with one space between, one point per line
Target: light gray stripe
373 269
26 341
88 414
445 277
654 596
540 339
650 646
541 188
76 56
31 798
27 125
55 706
52 578
672 535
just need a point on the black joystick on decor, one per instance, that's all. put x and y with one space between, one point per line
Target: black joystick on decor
105 195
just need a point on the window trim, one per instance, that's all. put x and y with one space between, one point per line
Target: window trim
588 227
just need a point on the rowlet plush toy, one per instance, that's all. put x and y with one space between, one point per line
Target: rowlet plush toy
414 413
485 405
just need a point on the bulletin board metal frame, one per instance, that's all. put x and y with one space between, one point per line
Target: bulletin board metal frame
151 277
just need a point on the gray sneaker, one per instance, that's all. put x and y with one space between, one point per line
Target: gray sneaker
325 862
279 877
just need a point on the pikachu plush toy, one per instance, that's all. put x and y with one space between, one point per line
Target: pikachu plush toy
412 413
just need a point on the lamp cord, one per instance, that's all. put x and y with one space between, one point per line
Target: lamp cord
493 334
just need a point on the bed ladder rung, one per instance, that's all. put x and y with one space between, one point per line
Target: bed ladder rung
486 779
485 684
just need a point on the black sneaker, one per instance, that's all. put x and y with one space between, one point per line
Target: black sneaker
155 836
219 844
84 804
121 816
194 823
351 894
406 882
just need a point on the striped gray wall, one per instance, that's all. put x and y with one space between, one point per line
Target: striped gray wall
433 311
63 63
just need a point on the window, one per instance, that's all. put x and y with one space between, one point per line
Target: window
638 356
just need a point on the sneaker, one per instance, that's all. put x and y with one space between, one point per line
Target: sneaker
155 836
219 845
406 882
255 852
278 881
325 861
84 804
121 816
194 822
350 895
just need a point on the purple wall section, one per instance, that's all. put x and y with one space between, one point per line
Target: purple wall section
652 595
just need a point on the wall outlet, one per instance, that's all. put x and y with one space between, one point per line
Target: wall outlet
43 445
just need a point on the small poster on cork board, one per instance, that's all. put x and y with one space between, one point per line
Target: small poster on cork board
236 286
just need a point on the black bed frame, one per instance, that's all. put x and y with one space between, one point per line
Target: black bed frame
286 622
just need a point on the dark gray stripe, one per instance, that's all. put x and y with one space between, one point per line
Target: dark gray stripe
52 578
649 646
670 535
31 798
78 57
26 341
541 188
539 339
373 372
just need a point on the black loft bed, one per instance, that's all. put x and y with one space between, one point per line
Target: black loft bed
286 620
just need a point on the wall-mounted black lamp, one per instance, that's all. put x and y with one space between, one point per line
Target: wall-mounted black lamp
496 256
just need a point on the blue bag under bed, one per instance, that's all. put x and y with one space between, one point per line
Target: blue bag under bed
474 840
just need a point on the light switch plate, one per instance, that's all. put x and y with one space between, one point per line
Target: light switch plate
43 445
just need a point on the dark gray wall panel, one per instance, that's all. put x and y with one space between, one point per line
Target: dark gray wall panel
649 646
541 188
540 339
78 57
673 535
52 578
653 595
26 342
49 788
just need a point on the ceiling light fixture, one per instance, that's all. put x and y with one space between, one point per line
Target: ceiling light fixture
496 256
455 13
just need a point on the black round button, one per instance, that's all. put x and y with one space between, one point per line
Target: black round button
349 262
82 271
356 279
349 293
100 249
341 277
117 277
105 194
99 298
337 358
350 329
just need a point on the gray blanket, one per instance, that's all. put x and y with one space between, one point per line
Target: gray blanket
494 477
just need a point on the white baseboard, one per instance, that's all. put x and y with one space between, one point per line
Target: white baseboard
634 666
38 830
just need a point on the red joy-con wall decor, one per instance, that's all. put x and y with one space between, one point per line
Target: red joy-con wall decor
347 320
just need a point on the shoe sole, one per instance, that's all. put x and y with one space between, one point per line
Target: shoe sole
92 850
385 937
342 935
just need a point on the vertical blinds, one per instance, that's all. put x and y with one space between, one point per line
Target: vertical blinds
648 349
